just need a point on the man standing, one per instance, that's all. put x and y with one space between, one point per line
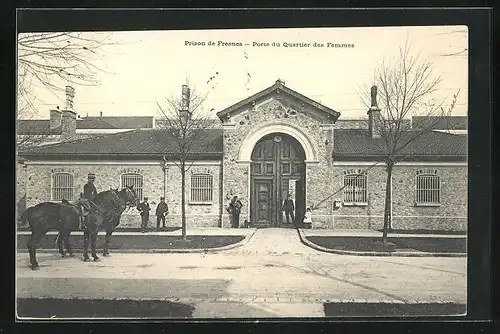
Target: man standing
235 210
144 210
161 212
289 208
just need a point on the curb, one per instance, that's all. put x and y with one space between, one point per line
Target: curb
160 251
306 242
267 299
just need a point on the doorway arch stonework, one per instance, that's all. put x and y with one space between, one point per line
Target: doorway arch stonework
246 126
292 130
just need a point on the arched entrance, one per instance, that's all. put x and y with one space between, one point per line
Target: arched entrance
277 169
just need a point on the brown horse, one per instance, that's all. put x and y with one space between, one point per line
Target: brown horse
109 207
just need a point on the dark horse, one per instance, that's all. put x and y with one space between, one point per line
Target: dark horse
65 217
46 216
109 206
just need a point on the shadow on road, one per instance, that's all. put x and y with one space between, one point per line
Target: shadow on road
51 308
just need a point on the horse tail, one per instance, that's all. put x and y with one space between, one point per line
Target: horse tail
26 215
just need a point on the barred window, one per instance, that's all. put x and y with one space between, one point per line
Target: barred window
355 189
134 180
62 187
201 188
427 190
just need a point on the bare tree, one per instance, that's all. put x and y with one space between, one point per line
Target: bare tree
51 61
406 88
187 124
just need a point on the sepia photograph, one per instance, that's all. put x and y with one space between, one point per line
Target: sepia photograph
242 173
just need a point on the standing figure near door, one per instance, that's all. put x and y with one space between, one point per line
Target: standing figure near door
161 212
144 210
289 208
235 210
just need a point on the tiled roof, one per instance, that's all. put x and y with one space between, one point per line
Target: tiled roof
131 143
93 123
117 122
42 126
36 127
440 122
279 85
356 143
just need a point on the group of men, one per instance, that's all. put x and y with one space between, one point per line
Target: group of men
161 213
235 206
90 192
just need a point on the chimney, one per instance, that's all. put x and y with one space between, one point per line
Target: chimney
68 125
100 115
55 120
185 114
374 116
70 97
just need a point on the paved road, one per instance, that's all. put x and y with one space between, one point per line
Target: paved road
273 274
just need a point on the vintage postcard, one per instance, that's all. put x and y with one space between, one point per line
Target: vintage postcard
259 173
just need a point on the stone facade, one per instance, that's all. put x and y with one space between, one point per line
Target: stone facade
279 114
275 112
108 175
451 214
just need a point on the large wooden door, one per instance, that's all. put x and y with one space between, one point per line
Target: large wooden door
277 162
263 195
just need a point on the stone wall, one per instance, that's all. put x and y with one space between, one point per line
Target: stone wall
451 214
38 185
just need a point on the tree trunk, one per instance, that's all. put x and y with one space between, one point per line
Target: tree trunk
183 200
388 199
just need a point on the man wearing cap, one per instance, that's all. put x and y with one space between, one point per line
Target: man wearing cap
144 210
89 189
89 194
161 212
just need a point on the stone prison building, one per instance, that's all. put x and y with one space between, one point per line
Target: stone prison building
271 144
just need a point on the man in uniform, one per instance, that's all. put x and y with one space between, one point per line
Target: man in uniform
144 210
161 212
289 208
89 194
89 189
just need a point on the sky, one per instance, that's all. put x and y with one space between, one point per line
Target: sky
145 67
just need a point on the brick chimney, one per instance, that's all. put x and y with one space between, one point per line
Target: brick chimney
186 96
69 116
374 116
68 125
55 120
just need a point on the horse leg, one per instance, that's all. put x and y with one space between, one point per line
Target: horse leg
93 243
35 239
67 244
60 239
109 232
86 236
32 252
